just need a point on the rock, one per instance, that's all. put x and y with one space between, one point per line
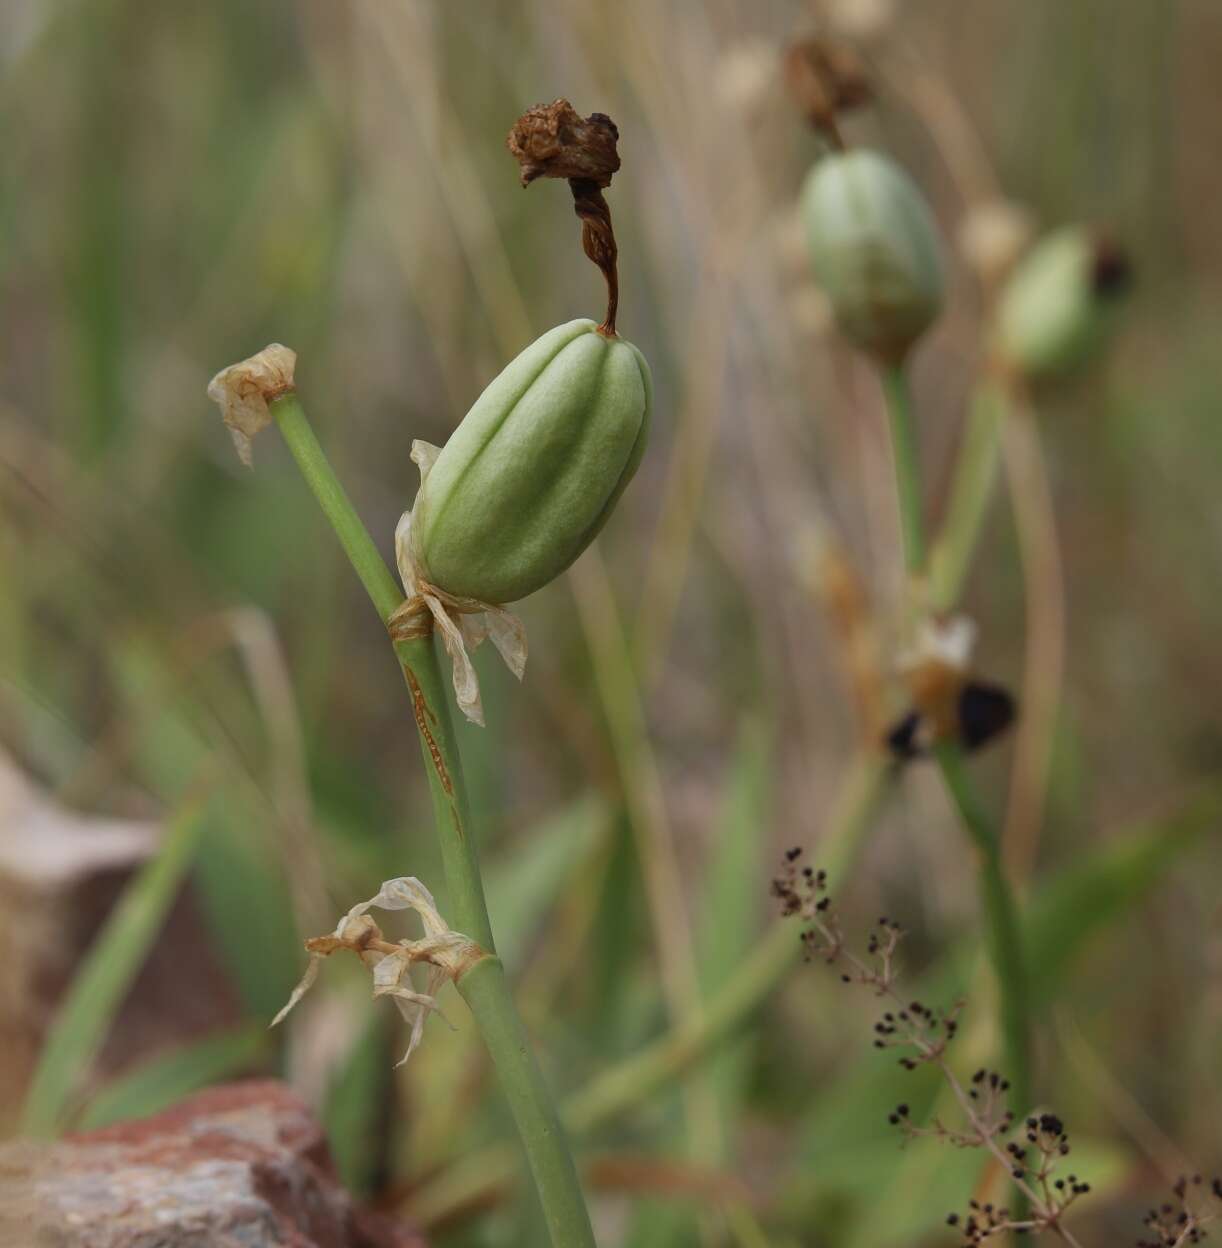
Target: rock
243 1165
60 873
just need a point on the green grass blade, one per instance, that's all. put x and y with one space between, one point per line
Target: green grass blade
729 906
527 880
105 975
1101 887
165 1080
241 885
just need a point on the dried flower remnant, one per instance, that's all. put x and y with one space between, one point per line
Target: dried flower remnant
244 390
465 622
949 703
860 19
555 141
826 79
1029 1151
446 953
992 237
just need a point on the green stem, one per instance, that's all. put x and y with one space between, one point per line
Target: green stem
907 466
1001 917
483 986
997 899
970 494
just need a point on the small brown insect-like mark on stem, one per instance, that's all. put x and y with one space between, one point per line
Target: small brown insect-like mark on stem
424 714
555 141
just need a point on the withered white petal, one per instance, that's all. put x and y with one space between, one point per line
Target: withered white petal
243 391
304 986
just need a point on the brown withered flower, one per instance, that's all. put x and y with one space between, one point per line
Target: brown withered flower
555 141
826 79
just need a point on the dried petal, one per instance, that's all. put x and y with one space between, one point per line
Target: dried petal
446 953
244 390
304 986
555 141
826 79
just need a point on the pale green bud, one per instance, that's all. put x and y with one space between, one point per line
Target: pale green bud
875 250
1060 303
531 474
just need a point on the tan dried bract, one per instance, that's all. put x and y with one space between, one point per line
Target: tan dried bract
555 141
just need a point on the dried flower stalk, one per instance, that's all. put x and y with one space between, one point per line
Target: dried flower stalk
555 141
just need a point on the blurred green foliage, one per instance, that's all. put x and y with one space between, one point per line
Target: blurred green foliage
183 183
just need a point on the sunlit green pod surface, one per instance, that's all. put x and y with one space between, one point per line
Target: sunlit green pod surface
1060 304
529 477
875 251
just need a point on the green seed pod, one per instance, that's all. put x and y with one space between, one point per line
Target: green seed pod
875 251
531 474
1060 303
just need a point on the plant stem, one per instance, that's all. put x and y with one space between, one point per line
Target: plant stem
907 466
970 494
1044 658
483 986
1001 917
997 900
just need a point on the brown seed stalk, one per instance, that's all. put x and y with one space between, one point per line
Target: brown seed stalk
555 141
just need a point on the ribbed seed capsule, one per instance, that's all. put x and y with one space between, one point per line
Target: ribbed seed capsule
875 251
531 474
1060 304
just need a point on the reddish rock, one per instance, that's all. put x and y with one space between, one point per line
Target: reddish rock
244 1165
61 872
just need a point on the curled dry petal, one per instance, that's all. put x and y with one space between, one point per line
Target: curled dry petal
445 952
243 391
555 141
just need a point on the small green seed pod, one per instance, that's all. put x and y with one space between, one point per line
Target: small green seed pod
531 474
1059 305
875 251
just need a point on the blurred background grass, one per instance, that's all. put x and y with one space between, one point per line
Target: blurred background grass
181 641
